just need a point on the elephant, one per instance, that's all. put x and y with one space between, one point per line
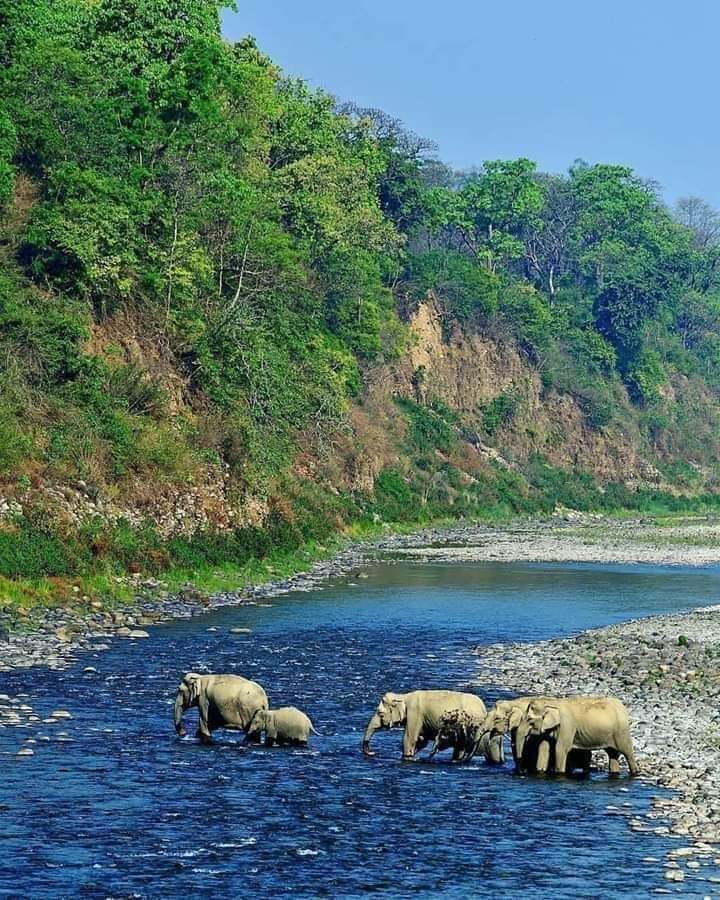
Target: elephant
580 724
508 716
419 712
504 718
462 731
285 726
224 701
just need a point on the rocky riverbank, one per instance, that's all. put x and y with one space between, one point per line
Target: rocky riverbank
572 537
666 669
56 635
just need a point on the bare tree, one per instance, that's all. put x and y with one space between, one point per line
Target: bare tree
547 242
704 221
388 128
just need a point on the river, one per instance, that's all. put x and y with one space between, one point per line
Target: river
119 807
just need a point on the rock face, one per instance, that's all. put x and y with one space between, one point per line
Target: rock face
466 371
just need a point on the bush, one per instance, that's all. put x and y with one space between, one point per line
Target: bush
500 411
395 500
431 427
597 409
646 377
468 292
29 552
15 444
528 314
132 388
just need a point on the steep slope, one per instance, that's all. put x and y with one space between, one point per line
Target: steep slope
237 316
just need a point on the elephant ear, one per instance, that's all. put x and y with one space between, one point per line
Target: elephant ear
515 717
192 680
398 710
551 718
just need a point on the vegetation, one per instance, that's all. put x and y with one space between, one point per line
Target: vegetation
200 258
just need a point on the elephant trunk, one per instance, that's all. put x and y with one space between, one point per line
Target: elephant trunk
494 752
372 726
178 716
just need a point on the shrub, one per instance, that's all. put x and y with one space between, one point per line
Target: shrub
468 291
431 427
646 377
15 443
500 411
395 501
132 388
528 314
30 552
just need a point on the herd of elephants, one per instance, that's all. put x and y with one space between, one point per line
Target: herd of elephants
547 734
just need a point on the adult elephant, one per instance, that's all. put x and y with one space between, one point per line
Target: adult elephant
506 718
224 701
580 724
419 713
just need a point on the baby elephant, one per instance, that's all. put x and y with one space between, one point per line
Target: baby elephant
457 729
287 726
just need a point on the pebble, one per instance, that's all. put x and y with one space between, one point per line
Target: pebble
675 875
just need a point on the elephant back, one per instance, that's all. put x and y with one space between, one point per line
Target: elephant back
237 698
473 705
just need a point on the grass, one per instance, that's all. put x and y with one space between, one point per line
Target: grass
658 532
23 599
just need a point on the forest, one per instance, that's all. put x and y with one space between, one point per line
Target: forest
267 244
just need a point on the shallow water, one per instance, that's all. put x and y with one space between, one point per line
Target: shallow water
125 809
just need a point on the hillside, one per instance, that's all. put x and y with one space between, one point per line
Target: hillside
238 316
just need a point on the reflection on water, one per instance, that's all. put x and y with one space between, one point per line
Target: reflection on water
125 809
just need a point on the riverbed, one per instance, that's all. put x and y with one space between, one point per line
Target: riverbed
112 804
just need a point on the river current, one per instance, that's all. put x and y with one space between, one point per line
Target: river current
122 808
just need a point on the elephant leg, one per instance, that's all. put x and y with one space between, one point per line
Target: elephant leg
516 752
522 756
203 731
411 739
561 755
586 762
457 753
204 736
613 760
625 747
543 759
497 750
269 741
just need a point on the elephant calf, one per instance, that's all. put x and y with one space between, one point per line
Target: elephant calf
460 730
285 726
224 701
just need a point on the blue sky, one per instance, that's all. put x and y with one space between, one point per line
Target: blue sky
633 82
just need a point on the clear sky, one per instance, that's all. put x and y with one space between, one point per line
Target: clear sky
624 81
